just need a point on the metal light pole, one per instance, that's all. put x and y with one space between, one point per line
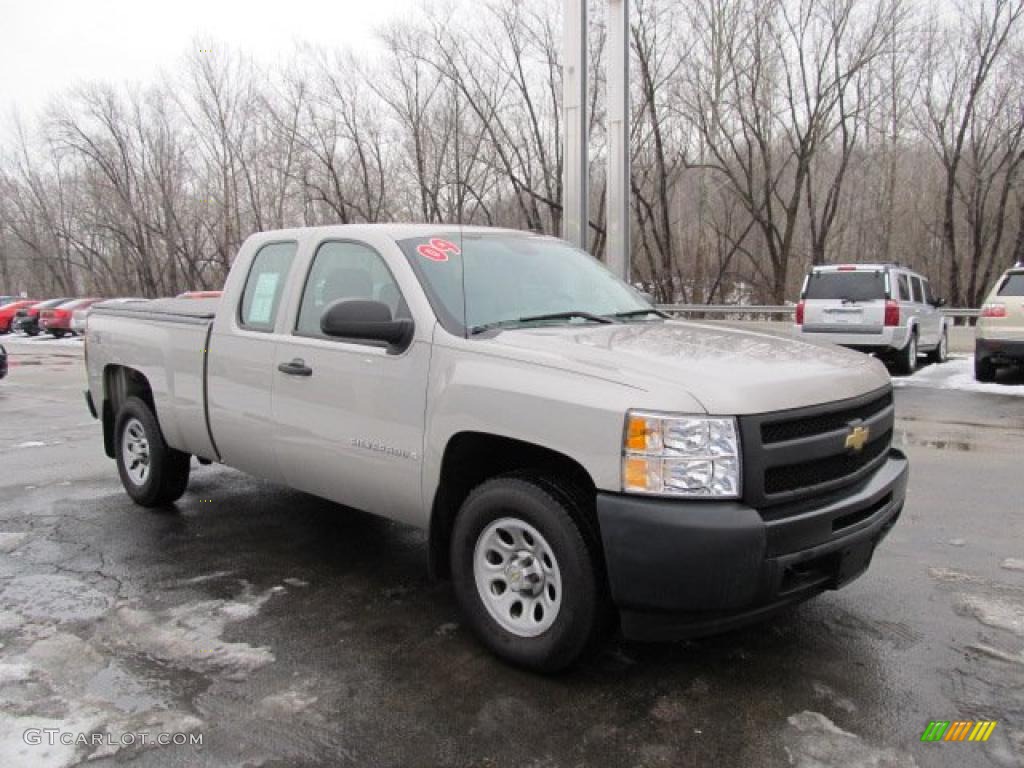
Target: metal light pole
618 139
575 221
574 86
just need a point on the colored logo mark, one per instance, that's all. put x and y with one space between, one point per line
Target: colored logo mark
958 730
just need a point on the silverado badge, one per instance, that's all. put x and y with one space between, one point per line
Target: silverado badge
857 438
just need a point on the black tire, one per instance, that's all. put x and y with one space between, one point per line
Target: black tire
168 469
906 359
984 370
33 332
940 354
554 513
57 334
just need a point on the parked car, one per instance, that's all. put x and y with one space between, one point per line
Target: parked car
26 319
80 317
200 295
884 309
999 337
3 361
567 447
57 321
8 299
7 312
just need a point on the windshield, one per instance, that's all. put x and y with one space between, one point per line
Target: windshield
853 286
512 277
1013 285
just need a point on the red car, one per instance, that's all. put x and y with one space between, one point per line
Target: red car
7 312
57 321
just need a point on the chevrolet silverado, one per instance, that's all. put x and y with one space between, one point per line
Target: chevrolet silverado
575 457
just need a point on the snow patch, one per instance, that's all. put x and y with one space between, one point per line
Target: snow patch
992 612
190 634
14 750
287 703
998 653
1012 564
814 741
11 541
57 598
80 692
30 444
956 374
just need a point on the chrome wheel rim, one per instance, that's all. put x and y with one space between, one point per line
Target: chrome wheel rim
517 577
135 451
912 351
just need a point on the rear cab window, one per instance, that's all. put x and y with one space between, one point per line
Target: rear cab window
1013 285
853 285
264 286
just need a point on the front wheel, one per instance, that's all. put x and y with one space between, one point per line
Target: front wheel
525 575
152 473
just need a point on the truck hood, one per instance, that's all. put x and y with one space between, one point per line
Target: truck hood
727 370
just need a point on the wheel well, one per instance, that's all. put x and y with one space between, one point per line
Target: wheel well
120 383
470 458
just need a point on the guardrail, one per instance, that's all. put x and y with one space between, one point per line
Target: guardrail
776 312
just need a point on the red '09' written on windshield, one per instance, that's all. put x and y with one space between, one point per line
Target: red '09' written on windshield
438 249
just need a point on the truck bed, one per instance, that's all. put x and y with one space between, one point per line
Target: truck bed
170 310
166 340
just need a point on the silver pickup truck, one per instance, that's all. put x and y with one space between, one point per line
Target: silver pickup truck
575 457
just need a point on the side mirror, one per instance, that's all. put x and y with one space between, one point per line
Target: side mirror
366 320
938 303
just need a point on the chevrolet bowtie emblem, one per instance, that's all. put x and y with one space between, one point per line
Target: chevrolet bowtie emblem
858 437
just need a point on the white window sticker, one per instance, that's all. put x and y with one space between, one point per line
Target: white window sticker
263 298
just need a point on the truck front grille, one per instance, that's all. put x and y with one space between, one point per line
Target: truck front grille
794 455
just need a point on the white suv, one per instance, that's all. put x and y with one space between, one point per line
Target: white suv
1000 332
885 309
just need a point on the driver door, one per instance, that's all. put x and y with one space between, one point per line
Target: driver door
350 415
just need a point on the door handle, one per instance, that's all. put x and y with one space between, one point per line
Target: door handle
296 367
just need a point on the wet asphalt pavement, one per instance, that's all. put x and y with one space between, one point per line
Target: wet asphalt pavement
288 631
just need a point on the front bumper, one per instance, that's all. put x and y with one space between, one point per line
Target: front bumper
686 568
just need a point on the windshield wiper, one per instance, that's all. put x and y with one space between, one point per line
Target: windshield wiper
639 313
539 318
567 316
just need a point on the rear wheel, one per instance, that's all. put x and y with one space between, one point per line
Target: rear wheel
984 370
152 473
525 573
906 358
941 352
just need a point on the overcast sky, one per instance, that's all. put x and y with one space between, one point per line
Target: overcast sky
49 45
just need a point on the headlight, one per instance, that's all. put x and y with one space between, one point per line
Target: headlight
681 455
